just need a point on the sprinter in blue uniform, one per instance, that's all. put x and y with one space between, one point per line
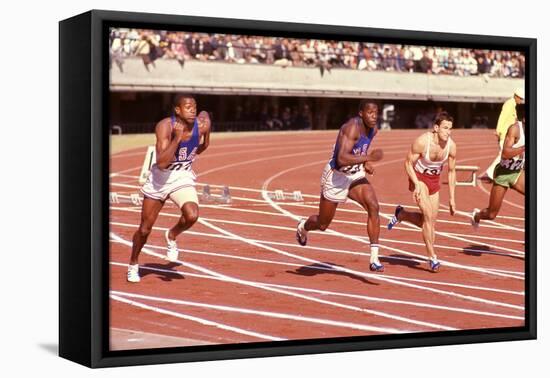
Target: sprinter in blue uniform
344 177
180 138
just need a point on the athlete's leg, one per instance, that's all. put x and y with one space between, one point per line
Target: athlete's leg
520 183
189 215
321 221
425 205
414 217
363 193
495 202
149 213
434 201
187 200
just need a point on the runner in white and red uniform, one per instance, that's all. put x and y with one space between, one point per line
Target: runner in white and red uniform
428 171
424 164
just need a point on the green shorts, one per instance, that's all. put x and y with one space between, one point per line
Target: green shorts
505 177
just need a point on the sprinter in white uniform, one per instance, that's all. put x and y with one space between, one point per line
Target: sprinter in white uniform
344 177
180 138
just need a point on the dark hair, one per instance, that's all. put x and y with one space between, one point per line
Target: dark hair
520 111
442 116
364 103
181 96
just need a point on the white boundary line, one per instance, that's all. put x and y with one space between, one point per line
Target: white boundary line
269 314
379 277
115 295
359 253
286 292
283 228
333 293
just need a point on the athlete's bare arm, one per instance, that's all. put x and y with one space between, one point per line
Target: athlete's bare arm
167 142
348 137
452 176
512 136
204 129
417 148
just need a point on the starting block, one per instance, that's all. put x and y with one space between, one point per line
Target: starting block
113 198
280 195
134 199
223 197
473 178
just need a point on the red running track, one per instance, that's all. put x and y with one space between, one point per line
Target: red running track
242 277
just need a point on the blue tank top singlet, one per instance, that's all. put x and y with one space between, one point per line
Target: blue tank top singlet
187 150
360 148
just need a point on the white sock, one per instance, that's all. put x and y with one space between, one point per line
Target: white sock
302 227
133 267
374 253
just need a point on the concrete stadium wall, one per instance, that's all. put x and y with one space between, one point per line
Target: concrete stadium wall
247 79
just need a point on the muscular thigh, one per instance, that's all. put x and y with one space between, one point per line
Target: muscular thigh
150 210
519 185
365 195
434 203
327 209
424 202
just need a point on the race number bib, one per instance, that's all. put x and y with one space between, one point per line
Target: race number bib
178 166
511 164
351 169
432 171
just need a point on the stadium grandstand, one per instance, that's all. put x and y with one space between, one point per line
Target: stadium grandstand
267 83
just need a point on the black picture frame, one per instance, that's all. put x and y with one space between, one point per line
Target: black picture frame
84 203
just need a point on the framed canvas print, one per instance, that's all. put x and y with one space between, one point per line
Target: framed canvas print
233 188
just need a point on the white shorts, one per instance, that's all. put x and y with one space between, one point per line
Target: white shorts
335 184
179 186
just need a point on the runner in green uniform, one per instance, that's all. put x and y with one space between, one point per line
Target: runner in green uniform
509 171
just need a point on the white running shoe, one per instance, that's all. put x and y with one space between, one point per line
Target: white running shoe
133 273
172 251
301 233
475 224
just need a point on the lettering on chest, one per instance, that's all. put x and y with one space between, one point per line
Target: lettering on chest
361 150
183 155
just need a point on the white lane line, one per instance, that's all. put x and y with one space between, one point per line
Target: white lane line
288 264
267 314
290 293
270 213
468 215
337 294
192 318
418 258
372 276
124 171
316 202
261 225
283 228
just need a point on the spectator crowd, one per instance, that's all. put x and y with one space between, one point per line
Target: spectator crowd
151 45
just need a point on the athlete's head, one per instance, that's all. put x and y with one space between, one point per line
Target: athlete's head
519 95
443 123
185 107
368 111
520 112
